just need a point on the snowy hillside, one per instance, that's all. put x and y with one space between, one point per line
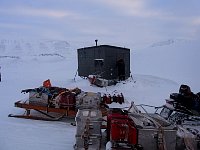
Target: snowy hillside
157 70
176 60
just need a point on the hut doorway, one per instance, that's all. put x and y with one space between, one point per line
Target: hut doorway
121 69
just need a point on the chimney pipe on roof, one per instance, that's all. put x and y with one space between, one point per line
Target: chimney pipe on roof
96 42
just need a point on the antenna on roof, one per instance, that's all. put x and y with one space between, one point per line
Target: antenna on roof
96 41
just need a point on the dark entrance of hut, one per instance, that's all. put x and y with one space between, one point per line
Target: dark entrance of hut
121 69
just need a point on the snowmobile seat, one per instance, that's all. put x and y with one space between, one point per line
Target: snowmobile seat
184 90
187 101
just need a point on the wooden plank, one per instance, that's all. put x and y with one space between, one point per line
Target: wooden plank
27 106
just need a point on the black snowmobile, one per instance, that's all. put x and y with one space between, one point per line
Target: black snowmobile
183 110
185 102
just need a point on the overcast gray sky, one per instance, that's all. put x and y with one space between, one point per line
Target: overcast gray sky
110 21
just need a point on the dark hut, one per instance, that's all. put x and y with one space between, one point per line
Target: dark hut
108 62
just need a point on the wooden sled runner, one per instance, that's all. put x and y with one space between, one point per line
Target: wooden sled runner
47 113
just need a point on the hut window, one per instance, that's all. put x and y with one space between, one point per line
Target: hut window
98 62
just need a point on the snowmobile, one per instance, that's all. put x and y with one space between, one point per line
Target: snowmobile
185 102
183 110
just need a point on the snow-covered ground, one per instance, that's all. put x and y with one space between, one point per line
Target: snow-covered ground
157 70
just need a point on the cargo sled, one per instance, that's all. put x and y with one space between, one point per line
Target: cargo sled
100 82
55 103
48 103
131 129
138 130
89 121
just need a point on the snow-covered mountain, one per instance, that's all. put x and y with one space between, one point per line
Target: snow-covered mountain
157 70
31 47
12 50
